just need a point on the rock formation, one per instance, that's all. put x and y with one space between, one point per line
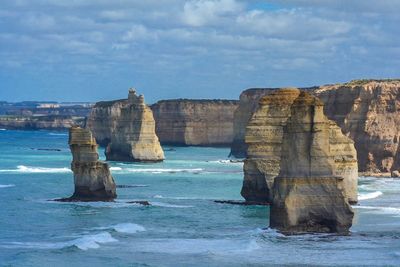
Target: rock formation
103 118
134 137
247 106
264 137
92 178
368 111
263 140
195 122
307 196
365 110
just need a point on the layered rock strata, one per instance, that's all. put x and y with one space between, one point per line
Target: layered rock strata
134 137
92 178
103 118
368 111
195 122
307 196
264 139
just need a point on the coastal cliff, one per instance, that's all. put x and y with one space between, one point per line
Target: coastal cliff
195 122
368 111
92 178
264 139
134 137
103 118
307 195
178 121
365 110
51 122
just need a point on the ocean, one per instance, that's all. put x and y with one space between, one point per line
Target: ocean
182 227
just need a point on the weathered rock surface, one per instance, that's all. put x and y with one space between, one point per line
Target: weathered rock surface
307 196
195 122
368 111
134 137
92 178
264 137
263 140
103 118
51 122
247 106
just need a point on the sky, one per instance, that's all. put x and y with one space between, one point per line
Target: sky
92 50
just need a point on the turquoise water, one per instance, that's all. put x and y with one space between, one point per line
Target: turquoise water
183 227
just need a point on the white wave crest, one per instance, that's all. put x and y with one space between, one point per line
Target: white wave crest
29 169
166 205
127 228
226 161
58 134
369 195
84 243
6 185
3 129
155 170
380 210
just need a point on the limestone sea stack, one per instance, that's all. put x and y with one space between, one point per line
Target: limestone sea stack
134 137
92 178
307 195
264 139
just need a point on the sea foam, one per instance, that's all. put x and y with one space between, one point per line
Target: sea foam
371 195
154 170
6 185
29 169
127 228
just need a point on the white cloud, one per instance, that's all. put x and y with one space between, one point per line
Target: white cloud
202 12
139 32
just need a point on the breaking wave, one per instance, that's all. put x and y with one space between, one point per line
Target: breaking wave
84 242
155 170
166 205
126 228
380 210
371 195
6 185
29 169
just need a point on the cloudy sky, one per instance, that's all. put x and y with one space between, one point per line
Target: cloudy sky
90 50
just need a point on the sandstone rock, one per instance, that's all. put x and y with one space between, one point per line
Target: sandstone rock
92 178
134 137
247 105
264 137
395 174
307 196
368 112
103 118
195 122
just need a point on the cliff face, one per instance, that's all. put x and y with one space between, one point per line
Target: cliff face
307 196
264 139
369 113
52 122
92 178
102 119
134 137
247 106
195 122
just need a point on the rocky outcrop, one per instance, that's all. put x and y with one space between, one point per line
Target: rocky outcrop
52 122
307 196
368 111
195 122
247 106
134 137
103 118
92 178
264 139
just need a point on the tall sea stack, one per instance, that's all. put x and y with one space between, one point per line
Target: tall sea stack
264 138
307 195
134 137
92 178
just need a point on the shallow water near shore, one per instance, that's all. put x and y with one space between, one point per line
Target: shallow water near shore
182 227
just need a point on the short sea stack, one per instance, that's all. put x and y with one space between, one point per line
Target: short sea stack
92 178
134 137
307 195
